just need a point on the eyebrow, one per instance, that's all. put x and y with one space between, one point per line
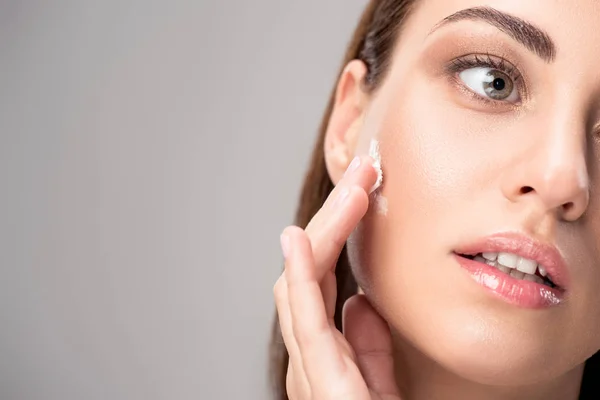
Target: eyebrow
530 36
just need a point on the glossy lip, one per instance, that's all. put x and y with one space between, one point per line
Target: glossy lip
520 292
524 246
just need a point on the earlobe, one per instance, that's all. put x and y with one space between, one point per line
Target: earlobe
346 120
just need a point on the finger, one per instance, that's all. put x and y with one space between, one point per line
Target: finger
369 335
331 226
360 172
321 357
330 240
295 368
329 293
329 229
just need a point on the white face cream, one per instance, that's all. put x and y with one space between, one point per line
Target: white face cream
379 202
375 155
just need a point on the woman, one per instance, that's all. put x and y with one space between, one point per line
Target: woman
471 272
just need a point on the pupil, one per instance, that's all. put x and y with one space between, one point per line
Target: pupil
499 84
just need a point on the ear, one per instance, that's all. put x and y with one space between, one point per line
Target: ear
346 120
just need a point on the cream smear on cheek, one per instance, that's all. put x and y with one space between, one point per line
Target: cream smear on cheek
380 202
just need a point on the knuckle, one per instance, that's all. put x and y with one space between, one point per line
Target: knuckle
289 379
279 286
338 239
308 340
297 387
290 385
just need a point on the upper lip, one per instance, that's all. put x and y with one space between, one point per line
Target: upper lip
545 254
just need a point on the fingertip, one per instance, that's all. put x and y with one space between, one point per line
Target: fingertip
370 337
291 231
356 304
364 171
372 172
289 238
363 325
297 249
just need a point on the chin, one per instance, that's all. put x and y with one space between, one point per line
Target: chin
462 351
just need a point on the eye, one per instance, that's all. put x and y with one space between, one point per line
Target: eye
490 83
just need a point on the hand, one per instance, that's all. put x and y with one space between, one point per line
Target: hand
325 364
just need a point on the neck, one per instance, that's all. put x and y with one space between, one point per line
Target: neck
420 378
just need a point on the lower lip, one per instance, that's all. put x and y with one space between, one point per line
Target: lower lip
519 292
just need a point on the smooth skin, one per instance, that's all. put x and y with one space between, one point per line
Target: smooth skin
458 166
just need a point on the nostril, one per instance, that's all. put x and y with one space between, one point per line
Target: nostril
526 189
568 206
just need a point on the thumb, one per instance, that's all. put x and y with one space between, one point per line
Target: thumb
369 335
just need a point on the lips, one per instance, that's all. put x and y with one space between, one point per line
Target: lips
548 277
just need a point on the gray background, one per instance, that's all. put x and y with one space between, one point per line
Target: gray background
150 154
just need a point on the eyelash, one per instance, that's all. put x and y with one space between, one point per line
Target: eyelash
486 61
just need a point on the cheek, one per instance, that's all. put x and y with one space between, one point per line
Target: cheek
442 164
441 167
433 172
430 174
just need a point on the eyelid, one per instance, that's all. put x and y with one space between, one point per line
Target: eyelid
478 60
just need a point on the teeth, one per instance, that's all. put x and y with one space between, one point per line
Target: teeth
507 259
487 261
533 278
517 274
504 269
513 265
527 266
524 265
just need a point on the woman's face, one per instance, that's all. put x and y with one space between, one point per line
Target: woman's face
487 131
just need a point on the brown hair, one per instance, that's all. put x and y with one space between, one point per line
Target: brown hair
373 43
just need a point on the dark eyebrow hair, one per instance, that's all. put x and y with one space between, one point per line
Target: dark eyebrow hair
530 36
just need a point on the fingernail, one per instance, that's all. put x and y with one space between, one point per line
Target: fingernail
353 165
342 196
285 244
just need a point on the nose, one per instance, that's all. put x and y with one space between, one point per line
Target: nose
554 172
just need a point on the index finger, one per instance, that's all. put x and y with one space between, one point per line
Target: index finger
334 222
